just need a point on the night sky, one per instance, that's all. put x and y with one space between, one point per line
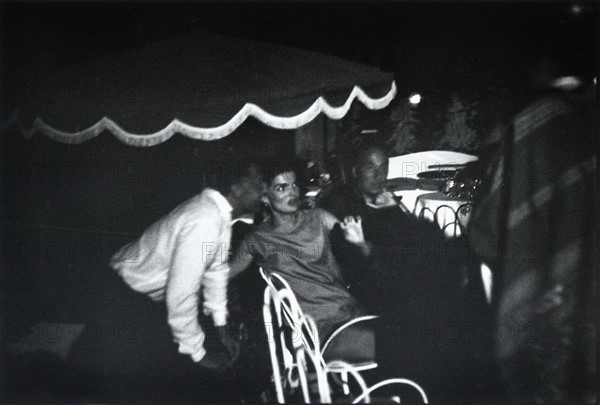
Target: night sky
429 42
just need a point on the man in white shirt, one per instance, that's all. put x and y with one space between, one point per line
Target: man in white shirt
146 338
186 252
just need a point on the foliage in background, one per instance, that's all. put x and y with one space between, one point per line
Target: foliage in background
403 137
455 119
460 132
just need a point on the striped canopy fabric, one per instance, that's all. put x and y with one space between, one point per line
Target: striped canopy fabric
200 85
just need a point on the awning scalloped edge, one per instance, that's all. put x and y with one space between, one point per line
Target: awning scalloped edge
208 134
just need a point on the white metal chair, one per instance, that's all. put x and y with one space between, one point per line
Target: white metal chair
360 366
366 395
427 213
460 219
287 348
294 338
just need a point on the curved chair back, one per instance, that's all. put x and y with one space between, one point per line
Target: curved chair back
365 396
448 221
293 348
459 218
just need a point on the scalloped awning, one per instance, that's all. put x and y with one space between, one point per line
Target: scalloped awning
200 85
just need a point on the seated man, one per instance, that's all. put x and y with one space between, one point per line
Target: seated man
400 243
410 277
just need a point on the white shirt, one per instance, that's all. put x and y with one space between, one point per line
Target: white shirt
177 255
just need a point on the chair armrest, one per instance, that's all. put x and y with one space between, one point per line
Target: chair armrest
345 326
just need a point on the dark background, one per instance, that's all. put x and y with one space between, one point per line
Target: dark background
435 43
67 208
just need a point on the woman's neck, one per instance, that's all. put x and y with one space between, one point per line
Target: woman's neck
285 221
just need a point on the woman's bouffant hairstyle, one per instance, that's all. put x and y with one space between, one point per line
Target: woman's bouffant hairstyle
272 169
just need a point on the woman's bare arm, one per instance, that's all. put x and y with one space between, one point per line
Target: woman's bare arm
328 219
241 261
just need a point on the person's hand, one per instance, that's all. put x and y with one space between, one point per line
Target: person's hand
352 228
216 360
353 232
230 343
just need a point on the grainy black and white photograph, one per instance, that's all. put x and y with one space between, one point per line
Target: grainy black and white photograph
330 202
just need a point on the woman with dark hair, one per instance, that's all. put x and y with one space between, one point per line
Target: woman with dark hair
295 243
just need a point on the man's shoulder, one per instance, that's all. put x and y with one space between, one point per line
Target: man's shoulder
340 201
202 206
342 191
205 200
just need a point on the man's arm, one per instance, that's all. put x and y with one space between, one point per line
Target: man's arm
185 276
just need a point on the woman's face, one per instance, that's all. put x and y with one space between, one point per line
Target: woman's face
283 193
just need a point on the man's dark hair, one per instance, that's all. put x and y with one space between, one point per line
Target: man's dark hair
366 149
228 176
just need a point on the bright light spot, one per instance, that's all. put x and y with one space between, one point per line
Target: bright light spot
415 99
576 9
566 83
